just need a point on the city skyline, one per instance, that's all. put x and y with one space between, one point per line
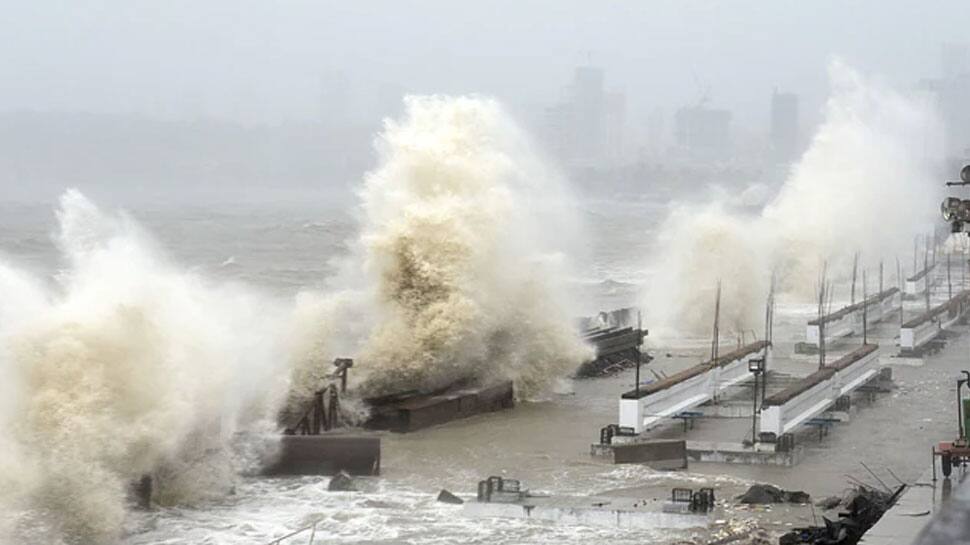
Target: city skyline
234 62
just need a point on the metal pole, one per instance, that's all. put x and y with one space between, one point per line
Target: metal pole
717 317
899 281
960 409
915 253
636 388
949 282
865 310
926 275
313 533
880 277
855 271
716 340
754 410
821 323
769 313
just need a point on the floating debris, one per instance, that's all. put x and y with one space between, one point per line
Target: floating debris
865 507
766 493
342 482
447 497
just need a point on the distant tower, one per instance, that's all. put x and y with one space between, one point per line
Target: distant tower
589 114
586 128
784 127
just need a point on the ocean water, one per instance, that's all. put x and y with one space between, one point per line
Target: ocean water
280 250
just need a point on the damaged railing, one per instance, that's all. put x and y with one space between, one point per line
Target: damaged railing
322 413
320 416
311 528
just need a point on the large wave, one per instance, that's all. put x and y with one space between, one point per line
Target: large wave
125 366
867 183
459 272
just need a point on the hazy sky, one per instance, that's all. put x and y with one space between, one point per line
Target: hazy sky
260 61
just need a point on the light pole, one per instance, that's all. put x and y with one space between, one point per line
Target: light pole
757 368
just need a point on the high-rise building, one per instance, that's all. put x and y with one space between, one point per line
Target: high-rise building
587 127
588 105
783 145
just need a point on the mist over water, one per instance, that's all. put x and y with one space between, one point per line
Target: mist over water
459 271
867 183
124 366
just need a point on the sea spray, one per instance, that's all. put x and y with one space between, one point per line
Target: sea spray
126 366
459 269
701 247
867 183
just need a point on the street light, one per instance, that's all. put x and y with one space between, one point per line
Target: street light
956 211
756 366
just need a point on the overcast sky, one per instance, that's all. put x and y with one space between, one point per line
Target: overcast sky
265 61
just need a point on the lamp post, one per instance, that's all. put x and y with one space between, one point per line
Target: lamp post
757 368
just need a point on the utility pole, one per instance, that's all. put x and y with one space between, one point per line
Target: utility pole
855 270
963 269
949 282
717 318
926 277
821 315
717 333
769 318
865 311
636 388
899 282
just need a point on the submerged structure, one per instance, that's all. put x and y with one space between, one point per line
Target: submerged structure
505 498
315 439
617 337
918 333
646 406
918 284
811 396
849 320
411 411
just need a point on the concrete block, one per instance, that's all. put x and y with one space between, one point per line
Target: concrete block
658 454
422 411
737 453
327 455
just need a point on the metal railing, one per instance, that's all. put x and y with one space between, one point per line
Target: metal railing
311 528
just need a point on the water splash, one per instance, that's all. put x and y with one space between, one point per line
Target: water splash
459 269
126 366
868 182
